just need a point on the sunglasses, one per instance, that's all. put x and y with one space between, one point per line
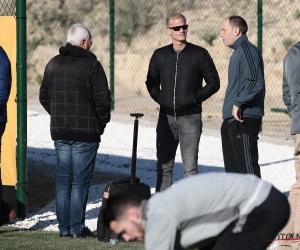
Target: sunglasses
177 28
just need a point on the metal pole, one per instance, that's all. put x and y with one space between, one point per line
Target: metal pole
134 148
259 25
112 51
259 31
21 109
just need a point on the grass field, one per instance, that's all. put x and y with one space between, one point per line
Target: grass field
11 238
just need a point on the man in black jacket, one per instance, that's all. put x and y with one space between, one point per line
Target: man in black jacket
75 93
175 82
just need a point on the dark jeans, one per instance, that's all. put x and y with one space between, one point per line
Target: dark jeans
261 227
4 207
75 166
171 131
239 144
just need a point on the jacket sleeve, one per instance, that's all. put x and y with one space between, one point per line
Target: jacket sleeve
153 79
291 86
101 94
160 233
5 80
44 92
210 74
286 93
252 77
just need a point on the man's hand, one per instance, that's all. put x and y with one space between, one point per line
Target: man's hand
236 112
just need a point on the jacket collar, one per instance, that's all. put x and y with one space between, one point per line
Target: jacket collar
239 41
185 48
71 50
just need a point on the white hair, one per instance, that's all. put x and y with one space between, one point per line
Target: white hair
76 33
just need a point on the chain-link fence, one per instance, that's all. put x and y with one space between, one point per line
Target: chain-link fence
140 29
7 8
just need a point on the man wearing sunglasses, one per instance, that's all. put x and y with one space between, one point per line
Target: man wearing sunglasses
175 82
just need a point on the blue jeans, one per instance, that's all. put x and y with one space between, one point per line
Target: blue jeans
171 131
75 166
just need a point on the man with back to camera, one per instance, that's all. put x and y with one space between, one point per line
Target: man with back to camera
243 106
208 211
175 81
75 93
291 98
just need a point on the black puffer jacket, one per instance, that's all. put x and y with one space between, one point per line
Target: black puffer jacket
177 85
75 93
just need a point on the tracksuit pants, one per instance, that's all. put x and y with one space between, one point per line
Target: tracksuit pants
261 227
239 144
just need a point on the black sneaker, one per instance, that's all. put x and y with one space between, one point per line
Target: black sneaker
85 233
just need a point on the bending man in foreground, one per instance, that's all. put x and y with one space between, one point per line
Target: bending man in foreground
207 211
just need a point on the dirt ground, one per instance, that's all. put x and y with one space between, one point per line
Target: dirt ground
41 183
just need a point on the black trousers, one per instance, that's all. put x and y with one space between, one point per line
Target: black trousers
261 227
239 144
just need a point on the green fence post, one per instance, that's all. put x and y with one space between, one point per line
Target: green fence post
21 109
112 51
259 25
259 31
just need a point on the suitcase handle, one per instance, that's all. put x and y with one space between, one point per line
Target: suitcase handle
137 115
134 147
128 180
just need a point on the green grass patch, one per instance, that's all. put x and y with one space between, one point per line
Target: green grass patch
12 238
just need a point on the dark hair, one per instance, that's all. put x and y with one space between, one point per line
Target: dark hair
238 21
117 205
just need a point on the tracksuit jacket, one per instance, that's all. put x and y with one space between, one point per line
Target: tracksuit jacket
175 81
199 208
291 86
75 93
246 83
5 84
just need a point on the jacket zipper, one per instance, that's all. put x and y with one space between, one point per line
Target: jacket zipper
174 96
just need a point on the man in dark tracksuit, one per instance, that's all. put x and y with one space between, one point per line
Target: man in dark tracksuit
75 93
175 82
244 100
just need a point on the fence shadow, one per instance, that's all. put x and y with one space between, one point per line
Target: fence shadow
108 167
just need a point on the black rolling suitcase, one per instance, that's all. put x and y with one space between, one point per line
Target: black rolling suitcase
130 185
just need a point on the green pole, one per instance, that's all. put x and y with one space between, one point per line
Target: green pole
259 25
21 110
112 51
259 31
